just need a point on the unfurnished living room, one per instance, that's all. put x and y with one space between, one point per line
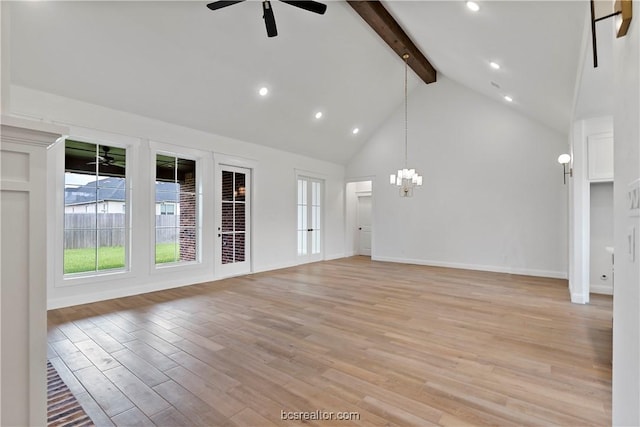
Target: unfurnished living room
256 213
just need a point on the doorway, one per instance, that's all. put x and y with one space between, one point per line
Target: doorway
234 219
310 219
359 218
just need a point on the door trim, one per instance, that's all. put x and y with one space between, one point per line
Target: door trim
221 161
299 173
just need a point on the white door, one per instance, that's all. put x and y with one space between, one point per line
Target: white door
310 217
233 229
364 225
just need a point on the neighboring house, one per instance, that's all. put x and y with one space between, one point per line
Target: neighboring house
110 197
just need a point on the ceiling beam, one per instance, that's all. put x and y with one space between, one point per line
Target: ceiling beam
378 18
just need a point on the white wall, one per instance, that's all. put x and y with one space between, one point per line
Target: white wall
601 225
626 296
274 196
493 197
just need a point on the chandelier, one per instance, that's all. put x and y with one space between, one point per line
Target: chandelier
406 179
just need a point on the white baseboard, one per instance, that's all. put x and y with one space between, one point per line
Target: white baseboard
579 298
478 267
277 266
601 289
334 256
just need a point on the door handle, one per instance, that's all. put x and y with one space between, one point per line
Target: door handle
219 235
309 229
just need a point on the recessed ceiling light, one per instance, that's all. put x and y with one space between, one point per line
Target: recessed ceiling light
494 65
318 114
473 6
263 91
508 98
355 131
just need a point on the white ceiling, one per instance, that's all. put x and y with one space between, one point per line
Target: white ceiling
181 63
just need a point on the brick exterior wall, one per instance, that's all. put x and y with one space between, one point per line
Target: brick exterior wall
188 218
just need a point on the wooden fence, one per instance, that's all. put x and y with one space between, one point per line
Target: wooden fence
85 230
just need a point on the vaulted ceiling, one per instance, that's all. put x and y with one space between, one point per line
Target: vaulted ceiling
184 64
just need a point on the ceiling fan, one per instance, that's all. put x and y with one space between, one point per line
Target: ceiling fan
106 159
269 19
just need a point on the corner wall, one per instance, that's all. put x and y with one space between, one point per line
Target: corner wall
493 197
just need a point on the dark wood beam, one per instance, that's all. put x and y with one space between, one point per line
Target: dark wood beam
378 18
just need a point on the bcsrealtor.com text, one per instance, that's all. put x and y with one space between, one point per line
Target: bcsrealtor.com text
319 415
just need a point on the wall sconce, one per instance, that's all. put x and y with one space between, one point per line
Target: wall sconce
564 159
622 10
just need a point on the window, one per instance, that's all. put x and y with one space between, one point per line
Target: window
95 239
167 208
177 210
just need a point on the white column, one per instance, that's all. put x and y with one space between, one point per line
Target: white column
23 314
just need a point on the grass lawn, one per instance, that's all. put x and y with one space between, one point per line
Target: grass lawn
80 260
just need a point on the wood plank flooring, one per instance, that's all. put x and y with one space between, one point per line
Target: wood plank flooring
385 344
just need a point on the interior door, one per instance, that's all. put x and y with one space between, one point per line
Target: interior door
233 230
364 225
310 218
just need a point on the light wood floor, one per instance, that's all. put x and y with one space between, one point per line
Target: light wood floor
396 344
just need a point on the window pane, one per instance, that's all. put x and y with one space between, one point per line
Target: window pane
239 187
79 251
227 185
316 193
301 246
240 220
186 174
303 199
315 244
239 247
165 168
304 234
188 244
166 245
227 217
316 218
111 254
187 214
227 248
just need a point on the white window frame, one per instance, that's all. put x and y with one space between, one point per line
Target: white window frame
159 148
61 279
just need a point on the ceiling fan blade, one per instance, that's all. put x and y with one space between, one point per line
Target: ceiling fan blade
222 3
269 19
311 6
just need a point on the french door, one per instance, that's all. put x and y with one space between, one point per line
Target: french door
233 229
310 219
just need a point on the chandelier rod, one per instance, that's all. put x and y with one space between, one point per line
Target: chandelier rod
406 132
